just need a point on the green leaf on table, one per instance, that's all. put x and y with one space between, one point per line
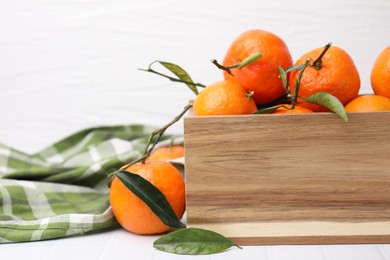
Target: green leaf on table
181 74
193 241
329 101
152 196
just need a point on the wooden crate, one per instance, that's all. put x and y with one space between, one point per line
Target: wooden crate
290 179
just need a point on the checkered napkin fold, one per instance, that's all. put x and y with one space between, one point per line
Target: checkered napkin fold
63 190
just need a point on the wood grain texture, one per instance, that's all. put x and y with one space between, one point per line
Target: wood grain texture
268 169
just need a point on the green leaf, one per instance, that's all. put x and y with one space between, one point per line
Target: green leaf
283 77
329 101
193 241
250 60
152 196
298 81
266 110
297 67
181 74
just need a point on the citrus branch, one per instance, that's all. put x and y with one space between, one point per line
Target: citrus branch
152 141
250 60
287 97
318 62
172 78
181 75
294 98
225 68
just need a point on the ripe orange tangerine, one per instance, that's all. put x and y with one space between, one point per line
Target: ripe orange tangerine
337 75
368 103
380 74
132 213
167 153
261 77
223 98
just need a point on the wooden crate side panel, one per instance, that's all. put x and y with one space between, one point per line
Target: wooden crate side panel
303 232
281 168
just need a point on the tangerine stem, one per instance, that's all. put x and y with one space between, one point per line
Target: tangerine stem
318 62
249 95
225 68
247 61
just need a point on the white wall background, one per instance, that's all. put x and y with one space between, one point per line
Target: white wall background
70 64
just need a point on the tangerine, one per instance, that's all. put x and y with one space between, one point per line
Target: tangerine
261 77
296 110
368 103
336 74
223 98
167 153
132 213
380 74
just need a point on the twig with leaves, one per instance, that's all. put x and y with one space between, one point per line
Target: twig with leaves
152 142
239 65
182 75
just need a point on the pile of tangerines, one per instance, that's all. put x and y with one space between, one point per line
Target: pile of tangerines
245 90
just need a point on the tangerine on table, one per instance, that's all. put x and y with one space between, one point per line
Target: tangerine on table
166 153
223 98
380 74
132 213
368 103
337 75
297 110
262 77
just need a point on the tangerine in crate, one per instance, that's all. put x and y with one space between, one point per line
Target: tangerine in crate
331 70
380 74
261 77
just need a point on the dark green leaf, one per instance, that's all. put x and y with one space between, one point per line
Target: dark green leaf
193 241
181 74
266 110
329 101
152 196
251 59
283 77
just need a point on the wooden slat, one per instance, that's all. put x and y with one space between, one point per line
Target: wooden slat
288 168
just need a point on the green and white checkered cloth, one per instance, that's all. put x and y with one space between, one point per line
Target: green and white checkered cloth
63 190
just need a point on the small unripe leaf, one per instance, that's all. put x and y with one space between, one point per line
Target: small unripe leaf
250 60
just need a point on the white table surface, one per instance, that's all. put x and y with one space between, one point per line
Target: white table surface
120 244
